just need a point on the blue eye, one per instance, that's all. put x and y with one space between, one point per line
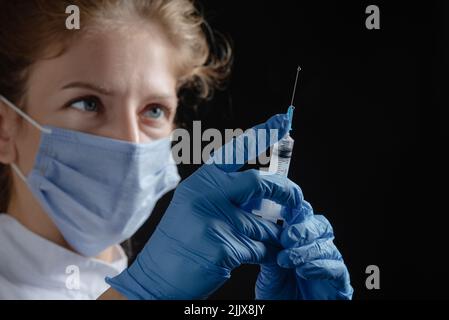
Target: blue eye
155 112
86 105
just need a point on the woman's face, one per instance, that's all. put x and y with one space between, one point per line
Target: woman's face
119 84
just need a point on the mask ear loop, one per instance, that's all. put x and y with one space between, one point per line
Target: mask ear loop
25 116
18 172
32 122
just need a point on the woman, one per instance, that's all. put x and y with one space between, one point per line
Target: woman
85 120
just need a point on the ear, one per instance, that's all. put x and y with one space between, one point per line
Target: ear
8 129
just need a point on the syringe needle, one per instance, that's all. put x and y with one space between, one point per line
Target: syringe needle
294 87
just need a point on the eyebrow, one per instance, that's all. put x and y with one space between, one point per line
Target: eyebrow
107 92
89 86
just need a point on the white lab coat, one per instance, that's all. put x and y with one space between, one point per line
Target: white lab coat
32 267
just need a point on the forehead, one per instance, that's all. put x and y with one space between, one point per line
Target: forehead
122 59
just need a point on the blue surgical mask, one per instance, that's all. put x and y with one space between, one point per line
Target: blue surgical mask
98 191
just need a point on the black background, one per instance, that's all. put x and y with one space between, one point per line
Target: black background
370 128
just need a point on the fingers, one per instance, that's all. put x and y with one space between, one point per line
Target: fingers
276 283
324 280
317 250
256 252
324 270
300 234
248 146
241 187
294 215
256 228
241 221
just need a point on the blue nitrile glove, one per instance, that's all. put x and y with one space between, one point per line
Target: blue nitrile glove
204 234
310 257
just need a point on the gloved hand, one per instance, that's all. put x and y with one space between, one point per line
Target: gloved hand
204 233
310 267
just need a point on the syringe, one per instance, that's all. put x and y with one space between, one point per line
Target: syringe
279 164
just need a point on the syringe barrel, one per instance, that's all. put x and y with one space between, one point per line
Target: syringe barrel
279 164
281 156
